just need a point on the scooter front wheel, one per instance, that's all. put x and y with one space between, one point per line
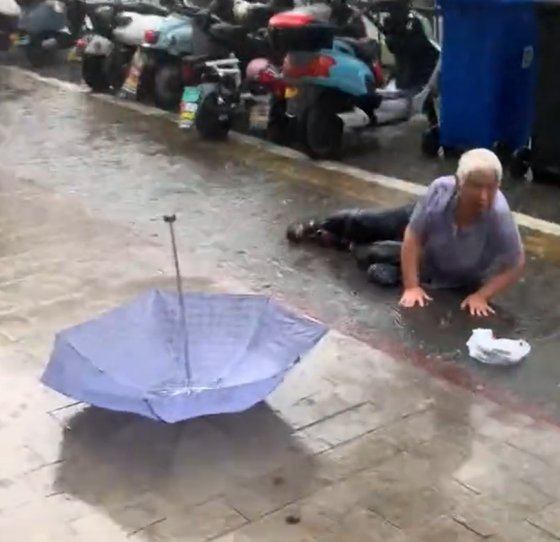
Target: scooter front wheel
520 163
36 54
212 122
322 133
94 74
118 64
279 129
168 87
431 142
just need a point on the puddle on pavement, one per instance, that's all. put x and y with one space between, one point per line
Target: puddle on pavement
135 169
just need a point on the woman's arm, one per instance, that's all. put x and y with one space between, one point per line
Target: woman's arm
509 263
500 282
410 259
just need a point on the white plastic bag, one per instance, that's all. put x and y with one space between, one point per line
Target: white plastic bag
484 347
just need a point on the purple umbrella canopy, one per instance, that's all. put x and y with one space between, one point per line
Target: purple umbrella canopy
174 356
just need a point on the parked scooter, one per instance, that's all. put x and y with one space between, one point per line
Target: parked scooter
165 71
9 19
49 25
335 80
162 51
217 94
262 94
118 29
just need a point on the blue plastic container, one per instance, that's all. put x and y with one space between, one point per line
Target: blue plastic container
488 73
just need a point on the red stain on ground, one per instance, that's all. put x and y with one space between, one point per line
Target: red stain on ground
442 369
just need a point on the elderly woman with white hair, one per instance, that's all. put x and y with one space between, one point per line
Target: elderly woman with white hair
461 234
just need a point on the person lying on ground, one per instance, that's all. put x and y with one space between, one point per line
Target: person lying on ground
460 235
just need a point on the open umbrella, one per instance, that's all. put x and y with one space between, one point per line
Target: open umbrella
173 356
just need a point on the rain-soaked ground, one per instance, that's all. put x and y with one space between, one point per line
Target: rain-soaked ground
134 168
392 151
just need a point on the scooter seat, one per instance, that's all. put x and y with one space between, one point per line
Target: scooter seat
365 49
395 94
143 8
228 32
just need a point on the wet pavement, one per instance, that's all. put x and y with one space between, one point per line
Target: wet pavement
355 445
133 168
393 151
359 444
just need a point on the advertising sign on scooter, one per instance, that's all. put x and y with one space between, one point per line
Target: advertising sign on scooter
189 107
130 86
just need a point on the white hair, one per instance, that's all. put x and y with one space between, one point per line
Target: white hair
478 161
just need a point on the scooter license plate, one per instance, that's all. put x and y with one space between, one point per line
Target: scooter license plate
74 55
259 115
132 81
290 93
189 107
19 39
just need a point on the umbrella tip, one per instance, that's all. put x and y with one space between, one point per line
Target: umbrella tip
169 218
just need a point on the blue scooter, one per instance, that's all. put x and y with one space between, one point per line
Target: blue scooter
162 51
336 86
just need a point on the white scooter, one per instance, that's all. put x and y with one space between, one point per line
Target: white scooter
48 25
10 13
106 53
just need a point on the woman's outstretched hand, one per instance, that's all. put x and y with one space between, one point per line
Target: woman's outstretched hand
477 305
414 296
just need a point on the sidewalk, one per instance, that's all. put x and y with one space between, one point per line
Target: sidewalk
354 447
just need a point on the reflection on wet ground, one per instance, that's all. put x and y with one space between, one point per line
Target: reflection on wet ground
134 169
393 151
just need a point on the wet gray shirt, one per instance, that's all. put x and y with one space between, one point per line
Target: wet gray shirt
457 257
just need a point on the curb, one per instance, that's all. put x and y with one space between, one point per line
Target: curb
394 184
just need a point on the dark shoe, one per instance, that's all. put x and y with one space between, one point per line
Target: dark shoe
384 274
299 231
381 252
311 231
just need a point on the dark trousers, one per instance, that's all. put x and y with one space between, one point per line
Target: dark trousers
375 238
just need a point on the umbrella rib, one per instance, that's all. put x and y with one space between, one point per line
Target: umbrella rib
101 370
240 356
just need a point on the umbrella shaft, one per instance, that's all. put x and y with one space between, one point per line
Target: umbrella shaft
181 298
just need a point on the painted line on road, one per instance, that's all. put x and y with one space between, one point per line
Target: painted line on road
391 183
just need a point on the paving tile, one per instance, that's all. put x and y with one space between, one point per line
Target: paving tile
485 472
96 527
523 532
363 453
486 515
14 493
319 516
16 459
259 496
405 506
201 523
347 425
310 409
539 439
442 529
548 519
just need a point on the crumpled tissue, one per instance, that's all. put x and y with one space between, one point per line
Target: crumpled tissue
486 348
